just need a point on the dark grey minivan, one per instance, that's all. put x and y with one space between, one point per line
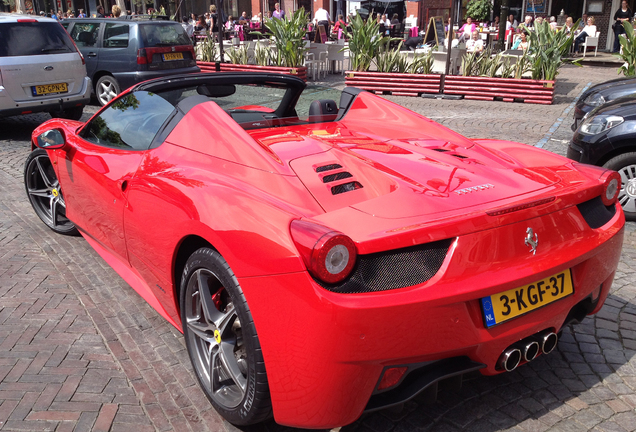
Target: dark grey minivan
122 52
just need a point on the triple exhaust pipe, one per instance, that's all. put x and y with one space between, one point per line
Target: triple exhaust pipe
527 349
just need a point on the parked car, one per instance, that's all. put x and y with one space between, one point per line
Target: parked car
607 138
41 70
318 265
600 94
123 52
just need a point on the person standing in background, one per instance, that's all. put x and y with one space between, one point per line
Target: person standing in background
624 13
278 12
322 17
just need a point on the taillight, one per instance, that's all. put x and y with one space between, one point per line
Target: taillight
141 56
27 20
329 255
611 181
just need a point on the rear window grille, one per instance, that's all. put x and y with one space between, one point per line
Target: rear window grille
328 167
346 187
595 213
337 176
394 269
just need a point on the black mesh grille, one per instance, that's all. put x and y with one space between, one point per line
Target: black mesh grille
460 156
595 213
441 150
346 187
328 167
394 269
337 176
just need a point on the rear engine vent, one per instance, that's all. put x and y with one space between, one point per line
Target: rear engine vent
441 150
338 176
394 269
460 156
595 213
327 167
346 187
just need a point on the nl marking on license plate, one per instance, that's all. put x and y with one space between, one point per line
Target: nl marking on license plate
41 90
172 56
509 304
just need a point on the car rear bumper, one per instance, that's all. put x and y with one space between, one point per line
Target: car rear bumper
325 352
129 79
45 104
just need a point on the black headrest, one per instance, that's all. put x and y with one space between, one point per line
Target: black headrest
85 37
323 107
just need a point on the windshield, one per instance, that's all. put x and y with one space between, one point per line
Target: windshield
33 38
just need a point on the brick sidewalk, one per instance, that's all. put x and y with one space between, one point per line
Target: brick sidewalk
80 350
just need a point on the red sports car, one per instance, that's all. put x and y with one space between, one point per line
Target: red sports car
328 259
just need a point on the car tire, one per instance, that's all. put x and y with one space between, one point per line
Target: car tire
222 341
625 164
106 89
45 195
74 113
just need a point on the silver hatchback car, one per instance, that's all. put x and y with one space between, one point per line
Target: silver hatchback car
41 69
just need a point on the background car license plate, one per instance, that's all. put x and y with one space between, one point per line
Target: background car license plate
41 90
515 302
173 56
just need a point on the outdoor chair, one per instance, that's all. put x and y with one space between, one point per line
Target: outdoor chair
591 42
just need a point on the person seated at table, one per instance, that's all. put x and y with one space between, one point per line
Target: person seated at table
243 18
467 30
511 23
386 21
567 28
189 28
395 19
201 24
475 44
340 25
522 42
527 23
588 31
229 24
553 23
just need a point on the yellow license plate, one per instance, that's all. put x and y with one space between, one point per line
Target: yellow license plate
510 304
173 56
41 90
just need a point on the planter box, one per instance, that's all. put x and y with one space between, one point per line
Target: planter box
476 88
396 84
300 72
507 89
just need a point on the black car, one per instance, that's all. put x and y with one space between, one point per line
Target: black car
120 53
607 137
602 93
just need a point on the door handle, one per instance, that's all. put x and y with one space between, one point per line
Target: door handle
91 54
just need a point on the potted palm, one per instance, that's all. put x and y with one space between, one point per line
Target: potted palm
395 73
286 56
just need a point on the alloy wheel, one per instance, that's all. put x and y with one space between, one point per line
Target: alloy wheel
215 333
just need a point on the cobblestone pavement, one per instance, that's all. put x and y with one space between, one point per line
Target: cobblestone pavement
80 350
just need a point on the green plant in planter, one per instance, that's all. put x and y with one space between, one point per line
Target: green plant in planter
548 49
479 10
261 55
628 53
287 36
238 55
208 49
365 41
388 60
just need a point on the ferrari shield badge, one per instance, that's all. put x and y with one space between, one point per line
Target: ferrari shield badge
532 240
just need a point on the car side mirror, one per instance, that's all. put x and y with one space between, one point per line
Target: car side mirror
51 139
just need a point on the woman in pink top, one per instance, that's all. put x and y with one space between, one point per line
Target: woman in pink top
467 30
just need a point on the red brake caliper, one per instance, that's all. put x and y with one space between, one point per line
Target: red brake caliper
216 298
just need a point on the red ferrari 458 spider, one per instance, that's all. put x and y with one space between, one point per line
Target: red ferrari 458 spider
328 259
